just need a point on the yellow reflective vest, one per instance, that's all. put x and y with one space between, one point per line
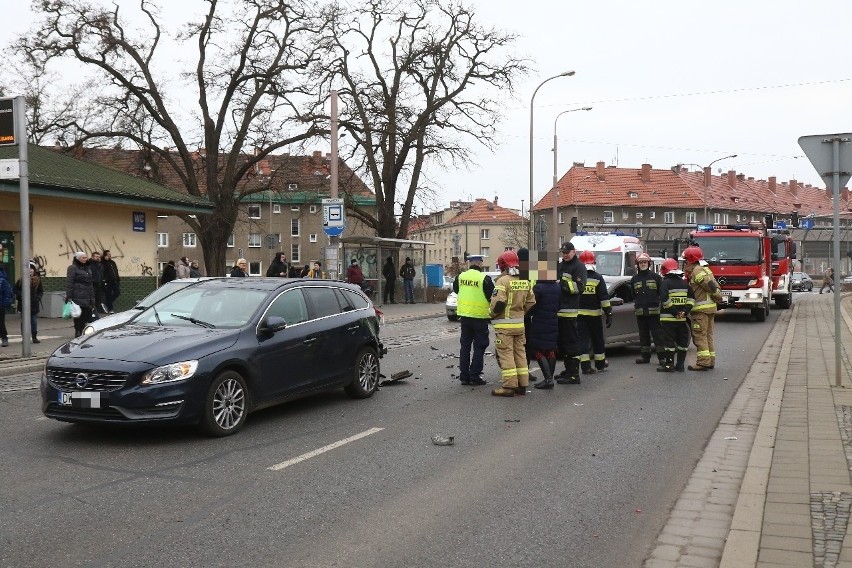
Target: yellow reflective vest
472 302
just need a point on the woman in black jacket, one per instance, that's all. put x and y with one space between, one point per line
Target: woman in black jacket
36 292
79 288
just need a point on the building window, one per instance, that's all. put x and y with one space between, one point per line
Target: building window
668 217
608 217
255 269
561 239
486 251
633 195
276 208
254 240
690 217
160 267
725 219
639 215
313 237
254 211
231 241
652 215
717 218
162 239
313 209
625 215
294 253
560 218
294 227
483 233
189 239
295 208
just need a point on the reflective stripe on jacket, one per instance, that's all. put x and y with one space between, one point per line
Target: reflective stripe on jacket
702 281
518 299
594 300
646 286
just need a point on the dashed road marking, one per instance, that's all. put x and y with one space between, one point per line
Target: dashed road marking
322 450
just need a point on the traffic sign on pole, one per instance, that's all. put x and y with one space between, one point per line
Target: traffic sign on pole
819 150
333 217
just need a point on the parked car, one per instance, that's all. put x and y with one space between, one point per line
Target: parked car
119 318
801 282
213 352
448 283
453 298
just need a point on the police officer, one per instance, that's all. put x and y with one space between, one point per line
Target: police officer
646 301
707 294
572 280
474 289
594 301
512 299
676 302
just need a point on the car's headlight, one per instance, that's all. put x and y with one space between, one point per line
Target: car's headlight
170 373
89 330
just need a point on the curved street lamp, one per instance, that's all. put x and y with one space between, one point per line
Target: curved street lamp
532 100
707 175
554 241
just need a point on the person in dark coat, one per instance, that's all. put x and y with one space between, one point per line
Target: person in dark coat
36 293
7 298
241 269
541 325
112 281
389 272
80 289
279 266
97 269
169 273
194 270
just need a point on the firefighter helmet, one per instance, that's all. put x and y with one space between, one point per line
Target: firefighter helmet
509 259
587 257
668 265
693 254
643 257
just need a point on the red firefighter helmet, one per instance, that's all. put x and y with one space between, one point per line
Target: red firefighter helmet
643 257
508 259
668 265
693 254
587 257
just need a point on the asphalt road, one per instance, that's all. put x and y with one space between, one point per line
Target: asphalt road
579 476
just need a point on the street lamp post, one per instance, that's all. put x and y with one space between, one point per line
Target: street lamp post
532 100
554 242
707 178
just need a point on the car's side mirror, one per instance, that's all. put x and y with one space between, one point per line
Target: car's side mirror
616 301
273 324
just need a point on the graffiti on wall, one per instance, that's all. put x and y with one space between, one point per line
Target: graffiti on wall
130 266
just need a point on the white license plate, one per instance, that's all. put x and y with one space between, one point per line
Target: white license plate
726 293
83 399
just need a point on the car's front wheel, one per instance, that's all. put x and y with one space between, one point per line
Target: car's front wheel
366 379
226 405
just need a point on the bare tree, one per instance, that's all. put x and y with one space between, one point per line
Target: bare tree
415 80
250 61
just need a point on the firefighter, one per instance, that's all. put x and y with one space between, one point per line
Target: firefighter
646 301
594 301
572 279
707 294
676 302
474 289
511 300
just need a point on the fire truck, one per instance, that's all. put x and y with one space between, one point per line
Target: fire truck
753 265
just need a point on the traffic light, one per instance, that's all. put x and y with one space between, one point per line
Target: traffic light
573 224
794 219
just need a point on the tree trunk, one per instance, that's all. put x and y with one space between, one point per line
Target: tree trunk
216 229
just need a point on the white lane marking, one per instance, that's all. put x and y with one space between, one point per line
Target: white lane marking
324 449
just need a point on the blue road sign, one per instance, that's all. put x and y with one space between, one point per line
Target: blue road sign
780 224
807 224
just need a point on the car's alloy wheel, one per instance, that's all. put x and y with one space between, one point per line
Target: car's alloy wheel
366 378
226 406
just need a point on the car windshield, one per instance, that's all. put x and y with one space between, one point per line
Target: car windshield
741 250
609 263
797 276
163 291
205 307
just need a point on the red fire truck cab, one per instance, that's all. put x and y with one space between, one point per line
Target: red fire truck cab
752 265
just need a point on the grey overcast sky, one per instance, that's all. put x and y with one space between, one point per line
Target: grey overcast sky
671 81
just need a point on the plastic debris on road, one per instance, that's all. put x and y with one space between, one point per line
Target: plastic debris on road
731 438
443 440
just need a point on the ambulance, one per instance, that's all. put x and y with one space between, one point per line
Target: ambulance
615 253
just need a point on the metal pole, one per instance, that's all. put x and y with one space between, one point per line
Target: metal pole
706 186
554 241
835 147
23 251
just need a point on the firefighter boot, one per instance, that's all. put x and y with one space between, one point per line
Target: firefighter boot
587 368
667 363
572 377
503 391
681 359
601 364
645 358
546 373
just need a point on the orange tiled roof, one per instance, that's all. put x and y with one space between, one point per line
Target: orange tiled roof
649 187
484 211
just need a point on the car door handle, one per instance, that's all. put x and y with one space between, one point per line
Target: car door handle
309 341
353 328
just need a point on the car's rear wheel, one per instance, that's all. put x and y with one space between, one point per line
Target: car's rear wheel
366 379
226 406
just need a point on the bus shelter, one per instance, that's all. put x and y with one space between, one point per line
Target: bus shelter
372 253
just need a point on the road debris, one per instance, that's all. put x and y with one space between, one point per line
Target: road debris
439 440
731 438
396 377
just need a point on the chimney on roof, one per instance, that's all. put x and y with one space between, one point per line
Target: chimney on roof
732 178
708 177
600 171
495 200
794 186
741 177
317 153
773 183
646 173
